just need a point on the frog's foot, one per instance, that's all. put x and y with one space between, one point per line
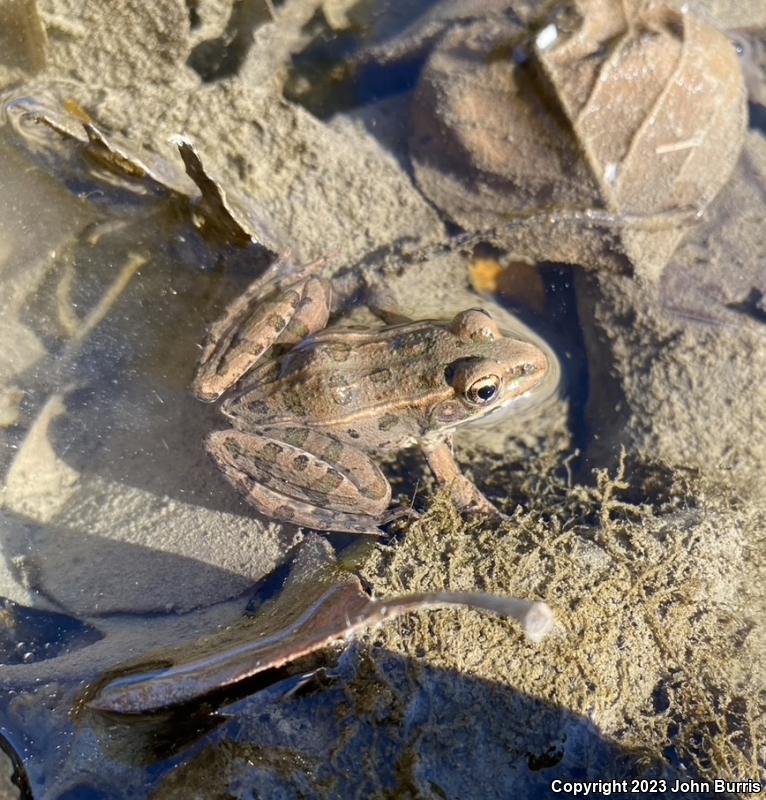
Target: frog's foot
304 477
465 494
273 310
399 512
472 502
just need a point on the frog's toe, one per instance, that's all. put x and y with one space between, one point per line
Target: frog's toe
486 511
478 508
398 512
473 504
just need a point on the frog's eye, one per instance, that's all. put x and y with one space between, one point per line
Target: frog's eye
475 324
483 391
474 380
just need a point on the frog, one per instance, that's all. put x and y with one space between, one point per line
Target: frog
312 406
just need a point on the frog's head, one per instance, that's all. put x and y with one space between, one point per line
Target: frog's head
492 370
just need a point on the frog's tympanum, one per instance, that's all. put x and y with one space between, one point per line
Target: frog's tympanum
314 404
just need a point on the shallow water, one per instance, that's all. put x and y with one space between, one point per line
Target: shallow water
121 542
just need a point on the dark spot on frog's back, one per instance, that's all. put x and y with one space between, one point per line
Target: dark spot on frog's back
300 462
352 433
295 436
333 452
233 449
294 402
270 452
414 344
339 351
257 407
337 379
382 375
329 482
276 323
387 421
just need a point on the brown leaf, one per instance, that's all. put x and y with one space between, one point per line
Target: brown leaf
319 605
633 110
219 216
660 115
71 142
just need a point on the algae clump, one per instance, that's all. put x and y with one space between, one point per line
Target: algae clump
656 600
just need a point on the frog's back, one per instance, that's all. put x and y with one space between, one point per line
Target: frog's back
374 388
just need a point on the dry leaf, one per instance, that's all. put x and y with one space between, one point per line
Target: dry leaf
69 143
660 115
320 604
639 113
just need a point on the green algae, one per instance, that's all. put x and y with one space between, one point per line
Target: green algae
656 603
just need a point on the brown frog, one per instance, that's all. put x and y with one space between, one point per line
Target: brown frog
314 404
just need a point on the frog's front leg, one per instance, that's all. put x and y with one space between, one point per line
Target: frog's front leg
441 459
277 308
304 477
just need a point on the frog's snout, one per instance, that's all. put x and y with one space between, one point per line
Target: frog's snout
536 362
530 366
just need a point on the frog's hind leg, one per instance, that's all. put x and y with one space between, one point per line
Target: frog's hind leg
311 313
304 477
273 309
